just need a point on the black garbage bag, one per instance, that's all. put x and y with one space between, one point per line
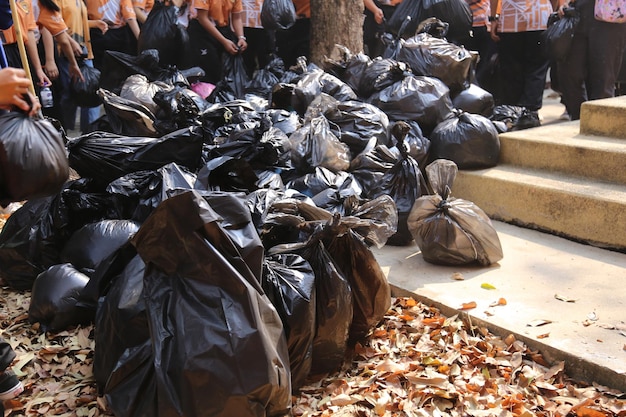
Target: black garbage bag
181 105
162 32
34 235
322 179
358 122
510 115
107 156
315 145
226 173
127 117
346 66
85 93
425 100
404 183
140 192
371 293
381 73
407 15
556 40
469 140
33 160
451 231
369 167
288 122
374 220
435 57
333 303
418 145
137 88
232 86
262 83
218 346
315 82
54 296
118 66
474 100
120 320
94 242
456 13
289 282
278 14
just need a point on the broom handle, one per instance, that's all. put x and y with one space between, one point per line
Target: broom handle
20 45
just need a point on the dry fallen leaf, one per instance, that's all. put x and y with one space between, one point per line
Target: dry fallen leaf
538 322
468 306
500 302
457 276
487 286
543 336
564 298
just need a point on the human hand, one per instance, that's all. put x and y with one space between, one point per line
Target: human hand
43 78
14 85
242 44
102 25
494 32
379 16
51 70
231 47
75 73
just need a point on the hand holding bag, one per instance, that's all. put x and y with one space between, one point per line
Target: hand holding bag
612 11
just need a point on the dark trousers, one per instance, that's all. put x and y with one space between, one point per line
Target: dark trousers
6 354
206 52
593 64
294 42
260 47
372 31
120 40
481 42
523 69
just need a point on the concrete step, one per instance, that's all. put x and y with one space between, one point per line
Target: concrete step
605 117
562 148
580 209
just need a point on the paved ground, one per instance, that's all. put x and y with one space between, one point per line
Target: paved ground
563 298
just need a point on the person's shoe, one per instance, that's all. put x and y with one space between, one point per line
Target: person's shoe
527 119
10 386
565 116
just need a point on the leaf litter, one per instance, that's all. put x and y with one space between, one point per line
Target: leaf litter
417 362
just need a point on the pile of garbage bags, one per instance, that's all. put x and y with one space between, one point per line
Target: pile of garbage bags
221 243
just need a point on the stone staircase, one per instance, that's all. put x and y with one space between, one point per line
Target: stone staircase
567 179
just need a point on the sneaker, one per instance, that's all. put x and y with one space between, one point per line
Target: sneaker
10 386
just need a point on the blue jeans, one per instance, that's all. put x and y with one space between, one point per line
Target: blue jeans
68 108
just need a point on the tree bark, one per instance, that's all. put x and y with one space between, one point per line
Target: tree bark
335 22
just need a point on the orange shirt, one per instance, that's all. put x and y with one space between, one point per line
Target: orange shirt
251 13
26 20
303 8
114 12
219 10
51 20
523 15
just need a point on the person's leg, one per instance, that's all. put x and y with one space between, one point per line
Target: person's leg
572 73
605 58
535 69
68 107
10 386
203 53
511 67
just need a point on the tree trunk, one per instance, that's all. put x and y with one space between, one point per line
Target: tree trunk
335 22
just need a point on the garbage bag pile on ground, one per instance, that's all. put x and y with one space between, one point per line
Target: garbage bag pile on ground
220 243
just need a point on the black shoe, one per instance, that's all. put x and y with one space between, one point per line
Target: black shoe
527 119
10 386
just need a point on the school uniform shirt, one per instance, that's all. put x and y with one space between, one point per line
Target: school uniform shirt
26 21
219 10
524 15
74 13
51 20
251 13
481 10
114 12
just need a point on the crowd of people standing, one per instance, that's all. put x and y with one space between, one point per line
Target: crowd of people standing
61 35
